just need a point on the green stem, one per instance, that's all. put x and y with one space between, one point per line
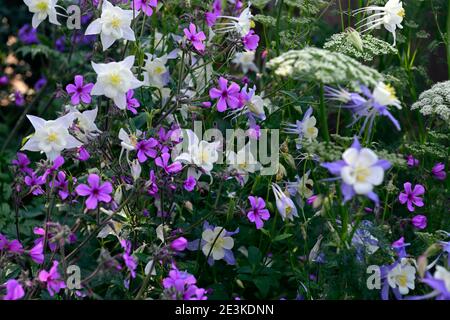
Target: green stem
323 115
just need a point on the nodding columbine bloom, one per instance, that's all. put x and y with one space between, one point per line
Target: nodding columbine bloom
42 9
367 104
51 137
241 24
285 205
305 129
390 16
113 24
114 79
360 170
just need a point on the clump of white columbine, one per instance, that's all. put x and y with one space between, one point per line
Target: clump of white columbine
85 123
390 16
201 154
402 276
113 24
285 205
42 9
114 79
52 136
156 73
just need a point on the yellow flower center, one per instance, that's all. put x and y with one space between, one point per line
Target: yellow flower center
52 137
391 91
401 13
252 24
288 211
311 130
159 70
402 280
204 156
42 6
115 22
361 174
115 79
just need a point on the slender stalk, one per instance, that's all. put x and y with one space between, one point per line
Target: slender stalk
323 115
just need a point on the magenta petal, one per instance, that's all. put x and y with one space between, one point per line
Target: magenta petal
407 186
71 89
93 180
410 206
104 197
418 190
106 187
83 190
403 197
221 105
215 93
79 81
91 202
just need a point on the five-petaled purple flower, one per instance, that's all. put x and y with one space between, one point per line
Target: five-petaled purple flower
411 161
163 162
52 278
227 96
132 103
250 40
438 171
14 290
190 183
80 91
411 196
145 5
146 149
95 191
196 38
258 213
22 163
35 182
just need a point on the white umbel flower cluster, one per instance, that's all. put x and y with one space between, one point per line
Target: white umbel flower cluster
320 65
369 48
435 101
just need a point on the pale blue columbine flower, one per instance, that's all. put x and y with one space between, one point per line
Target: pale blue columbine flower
360 170
305 129
285 205
367 105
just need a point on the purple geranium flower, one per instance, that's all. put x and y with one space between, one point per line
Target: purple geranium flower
258 212
62 184
163 162
179 244
419 221
216 11
13 246
411 161
196 38
130 261
180 285
37 253
14 290
95 191
145 5
412 196
227 96
52 278
190 183
146 149
151 184
80 91
35 182
22 163
19 98
132 103
40 83
438 171
250 40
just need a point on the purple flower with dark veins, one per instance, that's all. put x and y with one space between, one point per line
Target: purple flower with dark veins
146 149
95 191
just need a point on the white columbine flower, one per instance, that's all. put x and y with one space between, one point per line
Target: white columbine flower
243 161
246 61
390 16
42 9
202 154
285 205
241 24
156 73
361 170
86 122
216 242
384 95
114 79
113 24
51 137
402 276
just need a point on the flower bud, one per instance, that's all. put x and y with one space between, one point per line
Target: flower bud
179 244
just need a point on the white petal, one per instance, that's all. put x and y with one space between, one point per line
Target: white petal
350 155
94 28
107 41
97 90
128 62
36 122
121 101
363 187
128 34
367 157
376 175
228 242
346 174
36 21
71 142
31 145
